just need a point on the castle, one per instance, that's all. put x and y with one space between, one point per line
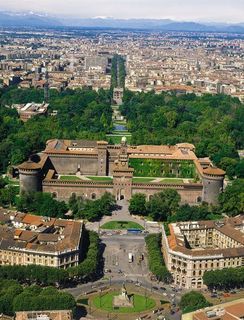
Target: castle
91 168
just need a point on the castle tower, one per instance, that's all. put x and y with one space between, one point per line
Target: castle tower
102 158
122 174
29 176
213 182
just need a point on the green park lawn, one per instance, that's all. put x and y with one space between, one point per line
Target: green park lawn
69 178
141 303
96 178
171 180
142 180
121 225
116 139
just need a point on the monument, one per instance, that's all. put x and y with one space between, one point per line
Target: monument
123 300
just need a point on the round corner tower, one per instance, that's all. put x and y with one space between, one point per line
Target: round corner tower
213 182
29 176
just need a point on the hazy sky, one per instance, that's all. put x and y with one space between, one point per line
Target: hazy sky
207 10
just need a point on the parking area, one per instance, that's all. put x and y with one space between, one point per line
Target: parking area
125 255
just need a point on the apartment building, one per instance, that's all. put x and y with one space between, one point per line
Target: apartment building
198 246
27 239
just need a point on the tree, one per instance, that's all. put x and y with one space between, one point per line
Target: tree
232 199
224 279
41 204
92 210
138 204
8 195
192 301
229 165
163 204
240 169
155 258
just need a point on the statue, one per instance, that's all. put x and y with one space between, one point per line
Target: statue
122 300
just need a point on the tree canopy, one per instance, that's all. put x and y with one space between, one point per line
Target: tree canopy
192 301
232 199
155 258
82 114
213 123
224 279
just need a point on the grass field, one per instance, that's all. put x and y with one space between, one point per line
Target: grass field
116 139
171 180
142 180
121 225
141 303
69 178
96 178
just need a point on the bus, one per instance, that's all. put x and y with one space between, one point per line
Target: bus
134 231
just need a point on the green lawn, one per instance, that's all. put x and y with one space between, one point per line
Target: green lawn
140 303
142 180
121 225
116 139
171 180
97 178
69 178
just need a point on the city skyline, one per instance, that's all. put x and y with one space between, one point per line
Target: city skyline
204 10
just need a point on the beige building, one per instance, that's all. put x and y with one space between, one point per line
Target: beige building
233 310
29 110
27 239
198 246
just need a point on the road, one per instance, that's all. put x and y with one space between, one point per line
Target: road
115 249
116 256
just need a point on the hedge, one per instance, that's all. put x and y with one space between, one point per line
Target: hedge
155 258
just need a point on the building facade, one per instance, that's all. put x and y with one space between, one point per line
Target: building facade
198 246
26 239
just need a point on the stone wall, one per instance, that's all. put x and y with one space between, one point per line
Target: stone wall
190 193
62 190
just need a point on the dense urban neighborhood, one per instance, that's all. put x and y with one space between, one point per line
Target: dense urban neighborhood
121 174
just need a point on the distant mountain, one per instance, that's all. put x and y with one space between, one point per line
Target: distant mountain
9 19
30 19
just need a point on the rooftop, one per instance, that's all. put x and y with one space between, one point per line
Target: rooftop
233 310
38 233
230 227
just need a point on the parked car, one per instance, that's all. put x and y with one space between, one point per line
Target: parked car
163 288
155 288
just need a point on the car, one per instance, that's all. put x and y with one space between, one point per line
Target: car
155 288
165 294
107 270
163 288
